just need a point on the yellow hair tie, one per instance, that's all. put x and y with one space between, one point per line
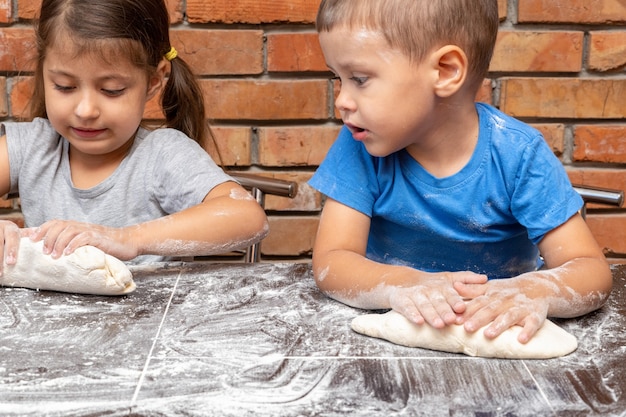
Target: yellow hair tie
173 53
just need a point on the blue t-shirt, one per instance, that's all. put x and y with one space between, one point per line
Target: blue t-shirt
487 218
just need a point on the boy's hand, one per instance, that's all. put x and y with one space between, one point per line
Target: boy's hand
504 303
434 300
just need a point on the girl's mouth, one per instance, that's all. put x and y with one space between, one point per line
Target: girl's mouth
87 133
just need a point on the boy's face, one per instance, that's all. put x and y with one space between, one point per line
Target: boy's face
386 100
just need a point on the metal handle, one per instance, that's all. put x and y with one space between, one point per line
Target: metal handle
600 195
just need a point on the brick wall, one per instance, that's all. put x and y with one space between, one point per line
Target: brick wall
559 65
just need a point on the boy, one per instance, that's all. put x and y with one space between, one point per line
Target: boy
439 207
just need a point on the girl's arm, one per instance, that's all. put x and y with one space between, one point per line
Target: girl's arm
228 218
343 273
9 231
577 280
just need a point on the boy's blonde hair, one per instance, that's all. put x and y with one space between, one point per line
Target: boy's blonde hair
416 27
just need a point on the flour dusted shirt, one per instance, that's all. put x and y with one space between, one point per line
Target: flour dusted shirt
487 218
164 172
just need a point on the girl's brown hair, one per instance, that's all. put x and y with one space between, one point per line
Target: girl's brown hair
134 29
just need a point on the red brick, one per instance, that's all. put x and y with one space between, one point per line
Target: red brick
294 52
219 52
295 146
530 51
607 50
485 92
28 9
20 96
610 178
6 11
554 134
4 104
572 11
252 11
563 97
235 146
600 143
610 232
290 236
266 100
502 9
17 49
175 9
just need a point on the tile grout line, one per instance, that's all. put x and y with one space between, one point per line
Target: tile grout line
543 394
133 401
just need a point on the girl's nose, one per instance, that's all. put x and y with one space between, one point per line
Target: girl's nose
87 107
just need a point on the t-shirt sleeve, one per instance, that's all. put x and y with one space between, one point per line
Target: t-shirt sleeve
348 174
543 198
183 173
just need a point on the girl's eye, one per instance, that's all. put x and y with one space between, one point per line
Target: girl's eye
359 80
62 88
113 93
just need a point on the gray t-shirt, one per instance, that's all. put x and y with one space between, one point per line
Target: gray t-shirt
164 172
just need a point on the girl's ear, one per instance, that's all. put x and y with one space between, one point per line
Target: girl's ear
451 64
156 80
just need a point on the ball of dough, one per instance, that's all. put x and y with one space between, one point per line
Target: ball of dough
549 342
86 271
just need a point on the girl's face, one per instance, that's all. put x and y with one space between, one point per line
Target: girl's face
385 99
96 105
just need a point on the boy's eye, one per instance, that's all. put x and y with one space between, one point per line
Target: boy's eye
359 80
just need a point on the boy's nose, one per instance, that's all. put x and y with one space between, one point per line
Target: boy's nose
343 102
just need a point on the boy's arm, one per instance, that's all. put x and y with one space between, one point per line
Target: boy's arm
577 280
344 273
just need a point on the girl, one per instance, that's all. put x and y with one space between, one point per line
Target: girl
87 173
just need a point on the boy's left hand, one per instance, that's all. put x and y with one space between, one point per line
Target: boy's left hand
504 303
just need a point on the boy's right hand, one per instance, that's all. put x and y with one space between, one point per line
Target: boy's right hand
434 300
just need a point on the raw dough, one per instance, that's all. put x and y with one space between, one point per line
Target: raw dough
549 342
86 271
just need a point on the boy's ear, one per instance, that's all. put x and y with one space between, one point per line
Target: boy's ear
451 63
156 80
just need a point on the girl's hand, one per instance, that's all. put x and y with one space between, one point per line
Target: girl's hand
505 303
10 236
435 300
62 237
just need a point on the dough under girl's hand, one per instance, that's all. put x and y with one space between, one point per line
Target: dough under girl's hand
86 271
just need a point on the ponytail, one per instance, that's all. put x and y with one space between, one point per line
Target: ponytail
183 103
